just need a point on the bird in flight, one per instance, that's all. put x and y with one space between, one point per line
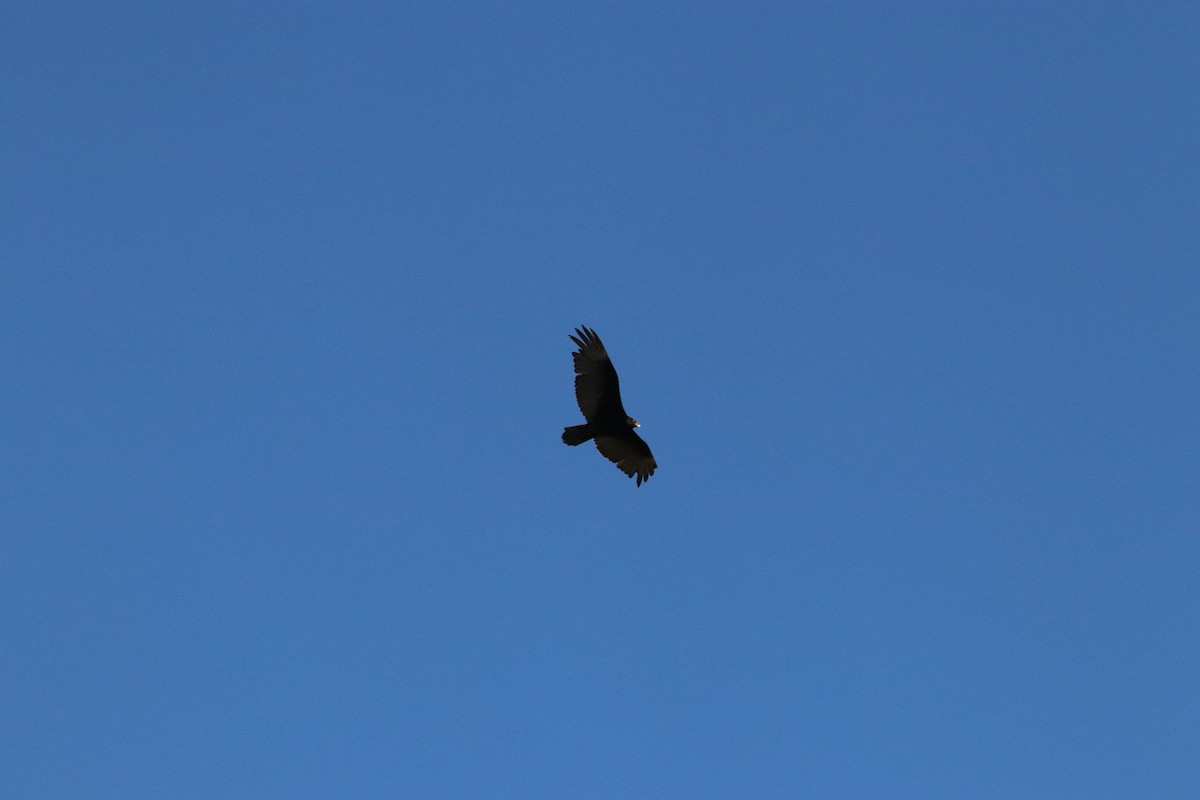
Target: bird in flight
598 393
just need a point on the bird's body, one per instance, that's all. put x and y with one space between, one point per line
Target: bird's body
598 392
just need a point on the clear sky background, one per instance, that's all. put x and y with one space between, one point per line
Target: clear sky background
905 295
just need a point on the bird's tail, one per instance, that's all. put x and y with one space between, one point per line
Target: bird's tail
577 434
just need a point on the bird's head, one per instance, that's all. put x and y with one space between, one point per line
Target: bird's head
633 423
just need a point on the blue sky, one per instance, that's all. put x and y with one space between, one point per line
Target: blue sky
904 295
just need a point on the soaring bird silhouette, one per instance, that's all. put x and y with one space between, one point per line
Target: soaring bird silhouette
598 392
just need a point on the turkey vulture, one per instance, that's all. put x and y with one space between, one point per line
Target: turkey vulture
599 395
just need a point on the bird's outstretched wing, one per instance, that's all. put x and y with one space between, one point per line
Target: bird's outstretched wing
631 455
597 389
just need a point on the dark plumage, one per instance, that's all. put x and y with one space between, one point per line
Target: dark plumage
598 393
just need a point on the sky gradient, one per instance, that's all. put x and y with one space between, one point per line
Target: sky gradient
905 296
